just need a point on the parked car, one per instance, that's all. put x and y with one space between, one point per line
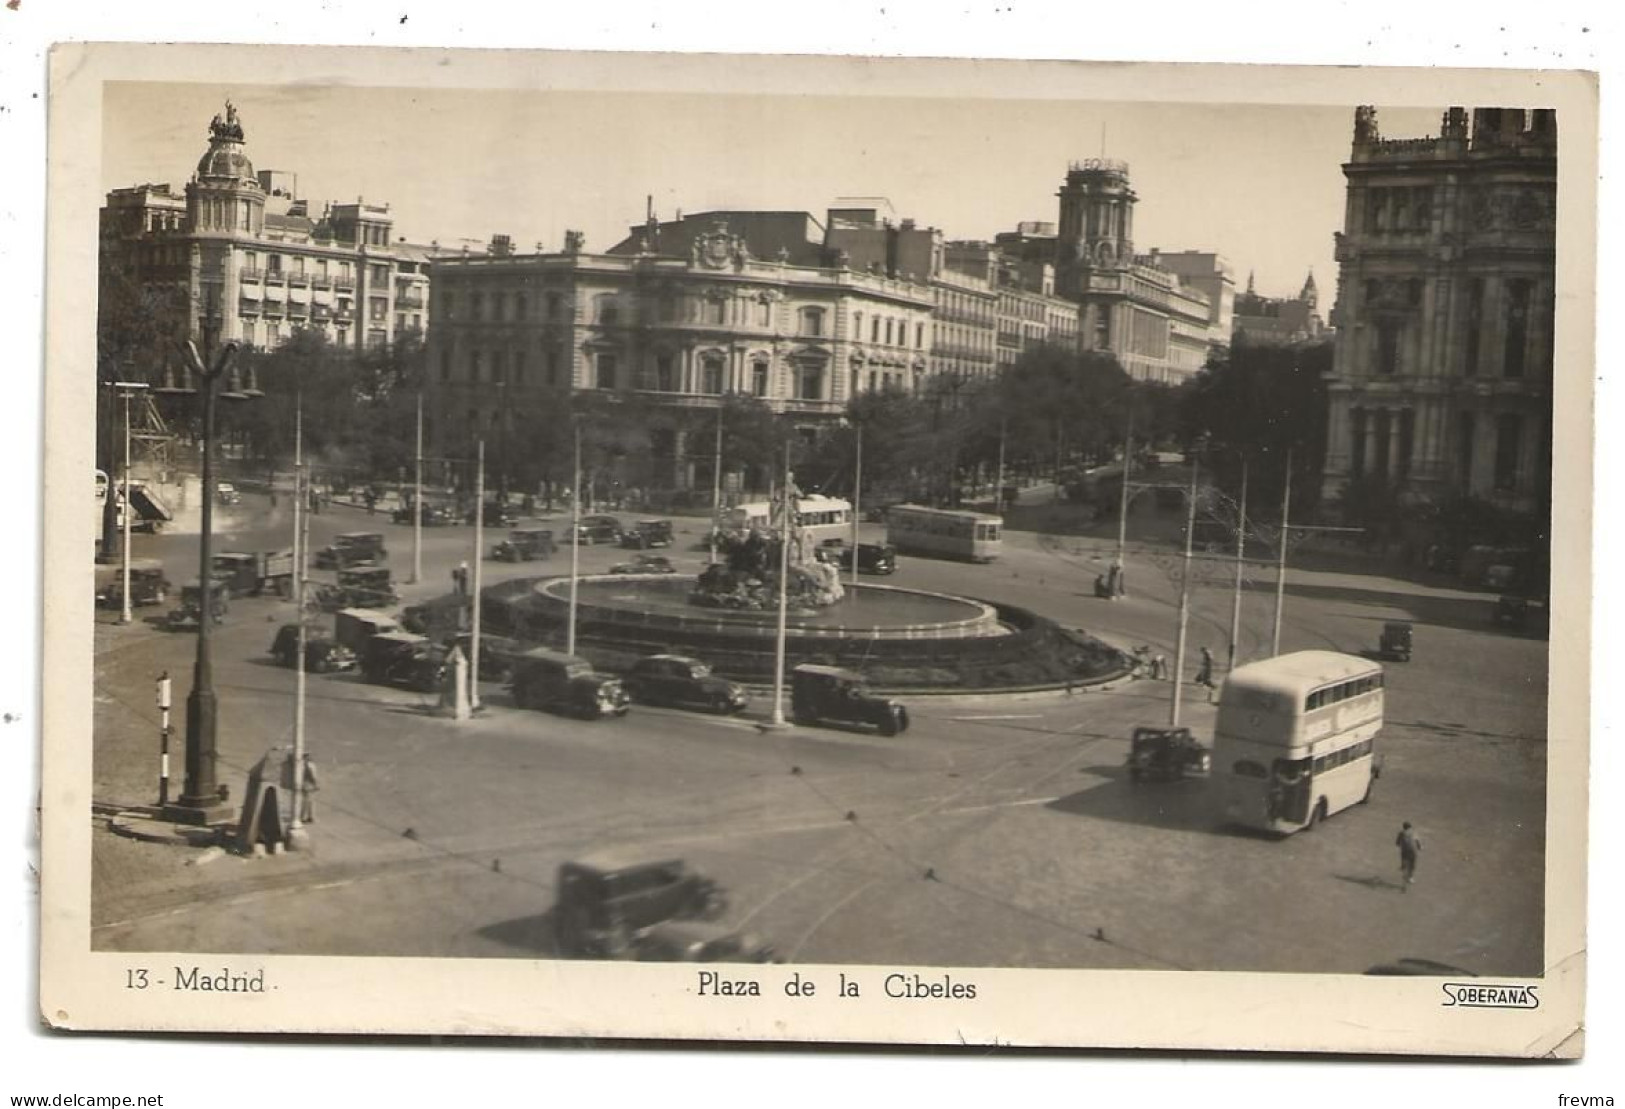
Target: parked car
355 627
645 564
323 654
827 694
525 544
685 682
700 941
1524 614
1166 755
148 586
551 680
648 533
226 493
403 660
598 529
355 548
608 901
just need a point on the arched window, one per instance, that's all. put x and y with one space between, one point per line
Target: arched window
711 370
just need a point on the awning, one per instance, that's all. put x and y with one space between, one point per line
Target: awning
250 292
148 505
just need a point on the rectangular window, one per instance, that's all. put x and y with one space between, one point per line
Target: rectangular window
606 371
1508 433
476 366
1464 448
758 376
711 370
519 367
874 329
555 304
1517 338
812 322
552 367
1407 440
380 274
273 264
665 374
1475 325
476 306
1387 346
810 380
716 311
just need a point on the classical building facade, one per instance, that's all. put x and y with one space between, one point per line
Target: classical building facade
1131 306
240 255
1028 314
681 331
1443 362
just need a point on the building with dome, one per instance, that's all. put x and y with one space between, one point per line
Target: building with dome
238 257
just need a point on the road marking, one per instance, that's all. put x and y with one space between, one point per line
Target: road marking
1002 716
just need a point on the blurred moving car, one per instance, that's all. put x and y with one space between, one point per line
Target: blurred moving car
434 515
226 493
645 564
1395 643
496 515
684 682
827 694
551 680
872 558
370 587
1524 614
250 573
608 901
191 606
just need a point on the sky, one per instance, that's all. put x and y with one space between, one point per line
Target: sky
1261 185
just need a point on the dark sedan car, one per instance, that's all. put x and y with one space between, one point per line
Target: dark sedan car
683 682
645 564
599 529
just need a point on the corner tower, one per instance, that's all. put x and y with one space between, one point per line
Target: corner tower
1096 223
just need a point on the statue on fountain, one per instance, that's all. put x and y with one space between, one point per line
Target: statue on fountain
748 577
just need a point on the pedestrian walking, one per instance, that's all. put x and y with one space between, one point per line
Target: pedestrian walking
308 785
1159 667
1204 675
1410 846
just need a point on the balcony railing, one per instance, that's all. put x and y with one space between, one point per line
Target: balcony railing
247 307
251 273
409 300
300 279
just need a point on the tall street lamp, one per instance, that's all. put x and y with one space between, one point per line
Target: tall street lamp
127 390
200 801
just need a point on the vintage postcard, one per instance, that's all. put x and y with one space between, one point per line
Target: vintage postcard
818 549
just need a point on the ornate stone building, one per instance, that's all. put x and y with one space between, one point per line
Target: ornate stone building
681 331
1131 306
1280 320
1442 375
241 257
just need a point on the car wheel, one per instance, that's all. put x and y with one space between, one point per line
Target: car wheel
721 704
1316 815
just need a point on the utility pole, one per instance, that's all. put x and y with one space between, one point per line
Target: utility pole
1184 599
716 486
417 501
857 498
1280 568
787 523
1122 505
301 541
575 541
1241 555
126 388
474 599
998 474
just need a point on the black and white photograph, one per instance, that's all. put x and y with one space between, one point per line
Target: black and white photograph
819 549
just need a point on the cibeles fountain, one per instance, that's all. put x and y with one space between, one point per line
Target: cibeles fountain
898 638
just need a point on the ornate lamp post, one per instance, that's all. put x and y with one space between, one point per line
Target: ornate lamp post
200 801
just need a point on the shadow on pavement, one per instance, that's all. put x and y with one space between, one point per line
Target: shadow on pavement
1176 806
1463 614
1371 882
529 933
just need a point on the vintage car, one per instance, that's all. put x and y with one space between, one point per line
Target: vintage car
556 682
355 627
1524 614
645 564
648 533
1166 755
403 660
370 587
251 573
524 545
873 558
498 654
700 941
608 901
827 694
597 529
684 682
355 548
226 493
323 654
434 515
439 618
191 606
148 586
1395 643
496 515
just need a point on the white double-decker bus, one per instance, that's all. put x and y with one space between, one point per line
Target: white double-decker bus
1295 737
944 532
